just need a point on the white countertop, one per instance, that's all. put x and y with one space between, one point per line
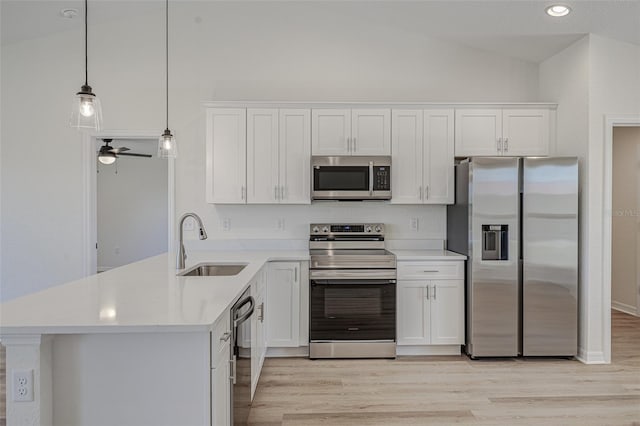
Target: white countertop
427 255
145 296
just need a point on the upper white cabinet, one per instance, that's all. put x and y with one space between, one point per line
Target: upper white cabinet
278 156
258 155
508 132
351 131
422 156
226 135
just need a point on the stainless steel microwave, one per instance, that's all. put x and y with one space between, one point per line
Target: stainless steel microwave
351 178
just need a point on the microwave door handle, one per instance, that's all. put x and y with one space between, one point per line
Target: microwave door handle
370 177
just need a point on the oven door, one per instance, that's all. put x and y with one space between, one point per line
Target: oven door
352 310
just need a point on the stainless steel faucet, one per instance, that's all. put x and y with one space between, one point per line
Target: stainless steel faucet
182 255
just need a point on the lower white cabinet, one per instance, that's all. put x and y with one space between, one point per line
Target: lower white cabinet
430 302
283 304
258 330
220 386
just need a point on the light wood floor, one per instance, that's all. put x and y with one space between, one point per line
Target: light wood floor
448 390
455 390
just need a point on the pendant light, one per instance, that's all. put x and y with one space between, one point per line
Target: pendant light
87 112
167 143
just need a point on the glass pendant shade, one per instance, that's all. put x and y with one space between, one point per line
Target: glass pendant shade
107 157
167 147
86 113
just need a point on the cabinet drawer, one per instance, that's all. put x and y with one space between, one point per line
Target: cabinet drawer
220 338
431 270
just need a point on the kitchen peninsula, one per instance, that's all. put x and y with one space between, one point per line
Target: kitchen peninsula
130 346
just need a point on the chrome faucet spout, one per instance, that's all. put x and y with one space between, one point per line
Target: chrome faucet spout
182 255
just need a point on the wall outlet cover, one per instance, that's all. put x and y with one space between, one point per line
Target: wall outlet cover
22 385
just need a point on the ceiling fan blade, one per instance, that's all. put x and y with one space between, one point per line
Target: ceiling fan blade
119 150
133 154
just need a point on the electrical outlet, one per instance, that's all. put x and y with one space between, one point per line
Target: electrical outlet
189 224
414 224
22 385
226 224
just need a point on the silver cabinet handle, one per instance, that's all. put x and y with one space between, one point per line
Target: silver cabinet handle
506 144
232 368
282 192
434 292
295 272
225 337
275 192
498 145
426 192
427 288
420 192
261 314
431 270
354 144
243 192
348 144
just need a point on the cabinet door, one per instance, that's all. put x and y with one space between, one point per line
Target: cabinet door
226 137
407 157
220 390
283 304
257 342
525 132
413 312
331 131
371 132
262 156
478 132
447 312
438 157
295 156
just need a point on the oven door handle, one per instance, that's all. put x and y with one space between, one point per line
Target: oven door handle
352 282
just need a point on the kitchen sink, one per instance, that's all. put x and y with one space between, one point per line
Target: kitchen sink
214 270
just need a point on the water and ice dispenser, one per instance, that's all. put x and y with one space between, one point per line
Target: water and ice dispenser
495 242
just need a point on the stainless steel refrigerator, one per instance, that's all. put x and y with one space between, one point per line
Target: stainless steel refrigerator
517 221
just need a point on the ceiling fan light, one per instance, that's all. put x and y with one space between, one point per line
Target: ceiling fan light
107 157
167 147
86 111
558 10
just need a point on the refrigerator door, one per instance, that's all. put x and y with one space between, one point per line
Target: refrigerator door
493 282
550 256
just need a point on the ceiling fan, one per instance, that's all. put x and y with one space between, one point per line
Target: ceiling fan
109 154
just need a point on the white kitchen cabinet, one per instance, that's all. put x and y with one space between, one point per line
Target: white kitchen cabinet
220 373
508 132
278 156
258 329
226 155
430 303
283 304
351 131
422 156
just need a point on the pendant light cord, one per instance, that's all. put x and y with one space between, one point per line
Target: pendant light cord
167 56
86 55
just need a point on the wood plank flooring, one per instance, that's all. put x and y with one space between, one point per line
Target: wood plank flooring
448 390
455 390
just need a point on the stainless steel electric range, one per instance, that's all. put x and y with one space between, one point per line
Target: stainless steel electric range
352 292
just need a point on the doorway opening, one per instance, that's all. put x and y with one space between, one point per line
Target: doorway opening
129 205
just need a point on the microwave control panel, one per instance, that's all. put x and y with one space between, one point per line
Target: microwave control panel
381 178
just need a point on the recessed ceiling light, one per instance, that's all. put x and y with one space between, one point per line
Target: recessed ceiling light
69 13
558 10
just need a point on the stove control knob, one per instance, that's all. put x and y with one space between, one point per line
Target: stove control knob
315 230
378 228
367 228
325 229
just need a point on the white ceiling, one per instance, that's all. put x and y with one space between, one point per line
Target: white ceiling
517 28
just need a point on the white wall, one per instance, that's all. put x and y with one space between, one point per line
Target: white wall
132 208
612 70
625 234
218 51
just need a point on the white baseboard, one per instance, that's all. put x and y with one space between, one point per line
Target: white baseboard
593 357
623 307
302 351
429 350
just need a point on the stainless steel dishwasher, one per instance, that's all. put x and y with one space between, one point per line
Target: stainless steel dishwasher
240 377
